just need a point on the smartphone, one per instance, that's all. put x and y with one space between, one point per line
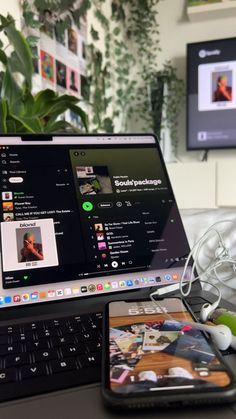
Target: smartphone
152 357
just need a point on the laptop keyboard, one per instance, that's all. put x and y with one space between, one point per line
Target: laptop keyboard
55 354
65 351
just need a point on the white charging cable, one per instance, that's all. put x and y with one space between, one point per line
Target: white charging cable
222 258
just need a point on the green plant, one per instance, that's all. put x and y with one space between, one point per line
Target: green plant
167 99
129 34
20 111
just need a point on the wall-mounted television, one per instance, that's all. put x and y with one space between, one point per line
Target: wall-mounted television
211 94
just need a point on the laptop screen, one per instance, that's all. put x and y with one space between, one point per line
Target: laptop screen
85 215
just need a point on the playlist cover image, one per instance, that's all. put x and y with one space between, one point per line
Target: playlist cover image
7 196
216 84
222 86
28 244
98 227
93 180
7 206
8 216
47 66
61 74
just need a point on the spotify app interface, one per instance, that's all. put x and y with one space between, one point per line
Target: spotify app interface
70 213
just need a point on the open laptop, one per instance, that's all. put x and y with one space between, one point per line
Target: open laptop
84 220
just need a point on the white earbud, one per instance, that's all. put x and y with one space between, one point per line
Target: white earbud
207 309
221 334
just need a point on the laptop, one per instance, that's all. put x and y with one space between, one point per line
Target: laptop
85 219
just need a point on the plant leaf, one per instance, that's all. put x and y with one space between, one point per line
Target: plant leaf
11 92
43 102
3 116
31 124
11 126
3 57
59 126
21 48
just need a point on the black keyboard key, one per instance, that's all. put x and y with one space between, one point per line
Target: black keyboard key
33 370
76 327
86 336
79 319
55 323
47 333
8 375
4 339
45 354
18 359
62 340
14 348
73 350
9 330
95 316
93 346
63 365
34 326
97 322
38 344
23 337
89 360
91 326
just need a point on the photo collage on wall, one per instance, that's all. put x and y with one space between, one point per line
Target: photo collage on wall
60 61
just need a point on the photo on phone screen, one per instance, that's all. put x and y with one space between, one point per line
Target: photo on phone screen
152 349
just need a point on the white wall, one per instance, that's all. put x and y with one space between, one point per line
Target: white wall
13 8
175 32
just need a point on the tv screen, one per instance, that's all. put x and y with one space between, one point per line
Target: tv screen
211 94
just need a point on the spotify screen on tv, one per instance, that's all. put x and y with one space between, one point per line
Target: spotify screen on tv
211 94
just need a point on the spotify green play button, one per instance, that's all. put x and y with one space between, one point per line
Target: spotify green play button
87 206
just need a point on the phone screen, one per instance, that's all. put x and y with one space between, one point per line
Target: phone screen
153 349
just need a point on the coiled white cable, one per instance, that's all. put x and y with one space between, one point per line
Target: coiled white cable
222 258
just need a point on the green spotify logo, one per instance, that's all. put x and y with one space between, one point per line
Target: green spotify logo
87 206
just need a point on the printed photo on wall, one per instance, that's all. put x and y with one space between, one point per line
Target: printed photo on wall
83 47
61 74
72 41
84 87
35 59
47 66
73 81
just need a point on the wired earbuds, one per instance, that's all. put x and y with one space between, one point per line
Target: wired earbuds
221 334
